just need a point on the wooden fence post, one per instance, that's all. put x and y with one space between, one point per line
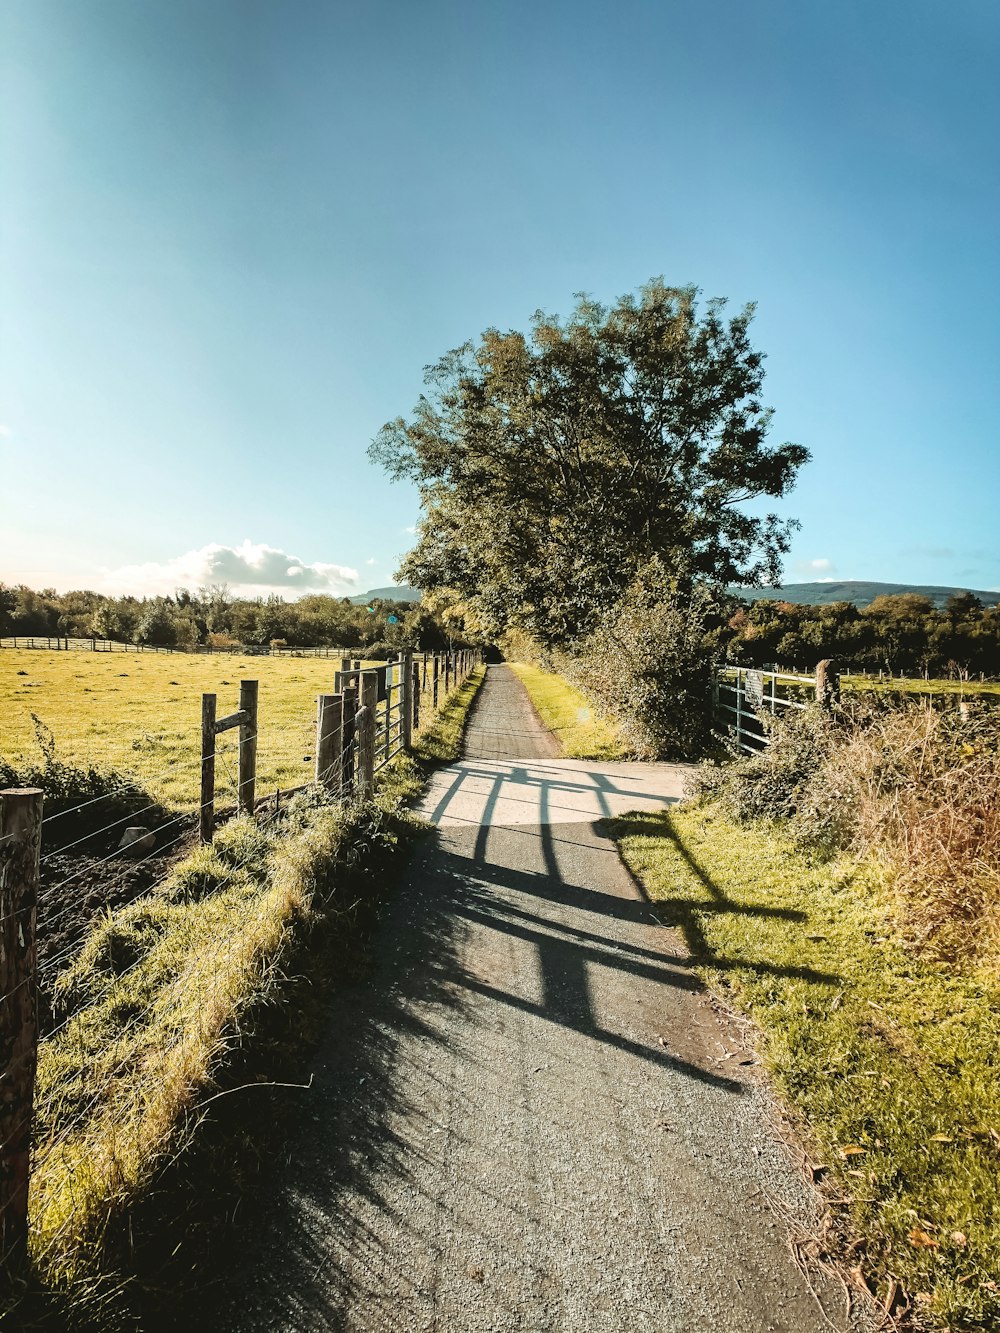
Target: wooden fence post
436 674
407 699
389 672
20 842
248 746
739 703
350 725
207 813
329 741
366 733
827 683
415 716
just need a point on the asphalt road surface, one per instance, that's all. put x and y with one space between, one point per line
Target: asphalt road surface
531 1116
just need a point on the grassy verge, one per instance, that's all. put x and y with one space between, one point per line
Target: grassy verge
889 1063
568 714
161 1011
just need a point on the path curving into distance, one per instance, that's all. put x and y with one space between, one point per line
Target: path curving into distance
531 1116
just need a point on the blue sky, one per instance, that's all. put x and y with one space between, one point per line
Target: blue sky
233 233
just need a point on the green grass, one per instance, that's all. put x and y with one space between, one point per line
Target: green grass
917 685
141 714
569 715
889 1065
148 1006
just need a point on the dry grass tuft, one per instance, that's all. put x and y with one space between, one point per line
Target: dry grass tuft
920 789
913 787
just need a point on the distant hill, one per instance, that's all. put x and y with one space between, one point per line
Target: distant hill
856 591
400 594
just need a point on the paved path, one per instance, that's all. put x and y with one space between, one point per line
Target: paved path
531 1117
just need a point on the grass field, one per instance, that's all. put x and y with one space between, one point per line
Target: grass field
141 714
970 689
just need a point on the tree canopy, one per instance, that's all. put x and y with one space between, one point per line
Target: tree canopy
553 465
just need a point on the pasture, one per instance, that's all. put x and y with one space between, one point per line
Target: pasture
141 714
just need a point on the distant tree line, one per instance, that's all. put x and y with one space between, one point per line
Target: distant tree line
215 617
902 632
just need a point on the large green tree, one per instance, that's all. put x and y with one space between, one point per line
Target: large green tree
553 466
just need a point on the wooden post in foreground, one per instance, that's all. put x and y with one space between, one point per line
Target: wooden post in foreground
350 697
390 670
407 698
20 842
827 683
329 740
207 813
248 746
437 669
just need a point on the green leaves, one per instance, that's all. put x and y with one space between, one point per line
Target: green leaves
554 465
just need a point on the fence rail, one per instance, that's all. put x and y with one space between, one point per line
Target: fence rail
60 643
369 718
743 696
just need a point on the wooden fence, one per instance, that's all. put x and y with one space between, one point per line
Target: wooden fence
61 643
370 717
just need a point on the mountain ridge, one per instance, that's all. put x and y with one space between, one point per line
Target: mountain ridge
862 592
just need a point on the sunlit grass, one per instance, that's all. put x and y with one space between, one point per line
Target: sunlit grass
917 685
890 1063
159 991
141 714
569 715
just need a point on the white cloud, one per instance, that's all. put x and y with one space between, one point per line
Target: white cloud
371 560
249 570
821 569
411 531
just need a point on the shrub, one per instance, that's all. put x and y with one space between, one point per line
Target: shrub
774 783
647 666
911 786
920 788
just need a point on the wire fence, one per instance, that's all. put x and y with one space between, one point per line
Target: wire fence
369 719
58 643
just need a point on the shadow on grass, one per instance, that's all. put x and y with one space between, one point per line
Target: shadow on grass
684 914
